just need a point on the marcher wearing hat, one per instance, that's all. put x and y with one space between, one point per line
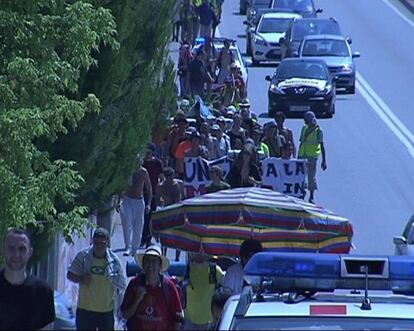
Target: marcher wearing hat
99 273
311 146
222 140
151 300
257 136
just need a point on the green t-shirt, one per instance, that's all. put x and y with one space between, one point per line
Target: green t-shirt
99 295
200 293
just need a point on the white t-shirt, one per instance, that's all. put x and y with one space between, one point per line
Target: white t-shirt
234 278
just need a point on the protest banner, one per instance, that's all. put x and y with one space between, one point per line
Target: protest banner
285 176
196 174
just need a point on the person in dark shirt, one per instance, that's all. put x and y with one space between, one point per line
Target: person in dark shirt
197 75
216 175
26 302
244 171
207 18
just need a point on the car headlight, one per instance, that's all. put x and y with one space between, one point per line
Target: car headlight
347 68
325 91
275 89
260 41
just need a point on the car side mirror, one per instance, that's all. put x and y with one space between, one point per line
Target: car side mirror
282 40
319 10
399 240
348 40
355 55
268 78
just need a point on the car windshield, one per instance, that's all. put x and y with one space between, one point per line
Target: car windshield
321 323
325 47
274 25
261 4
296 5
311 70
304 28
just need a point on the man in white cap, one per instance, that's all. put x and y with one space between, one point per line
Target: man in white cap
151 300
311 146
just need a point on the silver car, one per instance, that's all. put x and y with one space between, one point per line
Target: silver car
336 52
404 245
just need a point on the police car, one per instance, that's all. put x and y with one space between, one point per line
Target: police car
311 291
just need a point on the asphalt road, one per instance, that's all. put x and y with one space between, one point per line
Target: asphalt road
370 141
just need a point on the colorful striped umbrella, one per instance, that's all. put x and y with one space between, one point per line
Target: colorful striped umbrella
217 223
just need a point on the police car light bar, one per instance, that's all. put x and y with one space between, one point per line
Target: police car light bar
327 272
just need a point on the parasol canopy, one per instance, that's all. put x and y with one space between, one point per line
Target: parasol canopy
218 223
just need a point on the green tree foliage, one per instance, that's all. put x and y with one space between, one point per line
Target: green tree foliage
45 49
135 86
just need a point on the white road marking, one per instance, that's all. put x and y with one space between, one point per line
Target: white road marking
395 9
386 114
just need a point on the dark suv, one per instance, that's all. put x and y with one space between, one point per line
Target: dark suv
302 27
306 8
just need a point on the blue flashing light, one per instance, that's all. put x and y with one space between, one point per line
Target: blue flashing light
291 265
200 40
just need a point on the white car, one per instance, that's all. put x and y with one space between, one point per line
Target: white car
269 30
317 291
404 245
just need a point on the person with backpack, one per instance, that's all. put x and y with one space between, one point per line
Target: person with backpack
151 300
311 146
202 279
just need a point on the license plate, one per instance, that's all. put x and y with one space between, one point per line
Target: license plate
299 108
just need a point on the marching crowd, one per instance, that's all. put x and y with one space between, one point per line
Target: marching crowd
213 118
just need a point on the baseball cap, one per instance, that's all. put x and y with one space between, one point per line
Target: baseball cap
101 233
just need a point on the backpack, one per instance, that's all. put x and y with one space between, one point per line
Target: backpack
212 277
166 289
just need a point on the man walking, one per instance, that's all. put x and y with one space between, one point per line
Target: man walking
98 271
311 146
133 209
26 302
151 300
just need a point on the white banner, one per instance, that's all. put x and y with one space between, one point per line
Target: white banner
196 173
285 176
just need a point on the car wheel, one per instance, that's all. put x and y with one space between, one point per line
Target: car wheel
351 90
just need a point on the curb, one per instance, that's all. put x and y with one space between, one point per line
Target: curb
409 4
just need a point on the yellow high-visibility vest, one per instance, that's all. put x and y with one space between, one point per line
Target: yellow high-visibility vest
310 142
